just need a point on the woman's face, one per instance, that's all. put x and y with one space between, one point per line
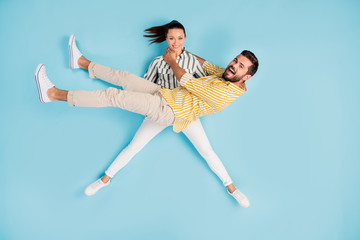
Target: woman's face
175 39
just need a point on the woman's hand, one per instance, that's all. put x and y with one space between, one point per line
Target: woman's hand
170 56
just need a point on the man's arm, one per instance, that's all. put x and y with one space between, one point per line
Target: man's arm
201 60
208 68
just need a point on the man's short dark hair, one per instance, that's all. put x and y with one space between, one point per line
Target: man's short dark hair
253 59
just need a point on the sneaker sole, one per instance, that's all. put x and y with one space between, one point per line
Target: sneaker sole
71 52
38 82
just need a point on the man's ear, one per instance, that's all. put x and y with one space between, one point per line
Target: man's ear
246 77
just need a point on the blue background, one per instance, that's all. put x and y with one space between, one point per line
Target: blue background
291 143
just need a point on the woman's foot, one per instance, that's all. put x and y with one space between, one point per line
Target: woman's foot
231 188
240 198
95 186
105 179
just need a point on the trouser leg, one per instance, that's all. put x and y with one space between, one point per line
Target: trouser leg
126 80
196 134
147 131
153 106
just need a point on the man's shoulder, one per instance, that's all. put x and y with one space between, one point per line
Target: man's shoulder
218 75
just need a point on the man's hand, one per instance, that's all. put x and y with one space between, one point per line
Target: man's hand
170 56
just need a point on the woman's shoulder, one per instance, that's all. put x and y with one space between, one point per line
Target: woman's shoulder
158 59
187 53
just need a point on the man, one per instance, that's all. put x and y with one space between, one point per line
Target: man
177 107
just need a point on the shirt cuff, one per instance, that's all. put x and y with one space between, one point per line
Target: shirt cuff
186 77
206 64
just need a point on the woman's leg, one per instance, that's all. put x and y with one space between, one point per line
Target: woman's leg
147 131
126 80
196 134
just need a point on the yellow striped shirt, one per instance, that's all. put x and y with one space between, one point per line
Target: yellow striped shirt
197 97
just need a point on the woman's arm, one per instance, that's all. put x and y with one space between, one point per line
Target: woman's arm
170 58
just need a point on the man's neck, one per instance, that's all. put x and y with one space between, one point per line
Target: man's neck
239 83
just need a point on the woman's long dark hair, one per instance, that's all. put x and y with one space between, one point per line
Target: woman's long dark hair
158 34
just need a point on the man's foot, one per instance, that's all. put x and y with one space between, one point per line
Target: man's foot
43 83
75 54
240 198
95 186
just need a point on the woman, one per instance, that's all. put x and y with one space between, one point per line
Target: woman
160 73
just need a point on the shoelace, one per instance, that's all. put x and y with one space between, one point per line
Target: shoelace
44 76
238 195
75 50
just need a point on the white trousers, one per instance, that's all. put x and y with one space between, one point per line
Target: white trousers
194 132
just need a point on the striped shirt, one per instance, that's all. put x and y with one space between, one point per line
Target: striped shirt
160 72
197 97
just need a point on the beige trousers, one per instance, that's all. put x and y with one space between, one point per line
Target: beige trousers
138 95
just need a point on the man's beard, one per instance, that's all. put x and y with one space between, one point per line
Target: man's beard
235 79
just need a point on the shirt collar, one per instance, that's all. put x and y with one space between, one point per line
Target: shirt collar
242 87
181 55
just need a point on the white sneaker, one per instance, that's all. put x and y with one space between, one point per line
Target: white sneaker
75 54
95 186
43 83
240 198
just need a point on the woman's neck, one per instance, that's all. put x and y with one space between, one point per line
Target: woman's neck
180 52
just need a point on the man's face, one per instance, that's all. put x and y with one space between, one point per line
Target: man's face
237 69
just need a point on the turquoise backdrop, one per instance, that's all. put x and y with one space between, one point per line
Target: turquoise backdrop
291 143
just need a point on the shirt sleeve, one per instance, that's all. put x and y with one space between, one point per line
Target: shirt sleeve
212 93
151 73
198 69
210 68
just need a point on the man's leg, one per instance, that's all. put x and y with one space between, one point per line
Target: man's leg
119 78
126 80
147 131
153 106
196 134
